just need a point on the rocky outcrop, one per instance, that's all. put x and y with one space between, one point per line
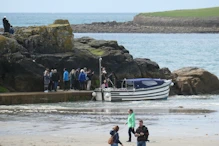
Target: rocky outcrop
53 38
194 81
25 55
17 69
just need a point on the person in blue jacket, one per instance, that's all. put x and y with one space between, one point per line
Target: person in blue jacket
82 80
115 135
65 79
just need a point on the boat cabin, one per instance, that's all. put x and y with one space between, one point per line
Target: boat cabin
141 83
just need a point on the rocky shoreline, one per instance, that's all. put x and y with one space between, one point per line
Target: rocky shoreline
26 54
149 24
131 27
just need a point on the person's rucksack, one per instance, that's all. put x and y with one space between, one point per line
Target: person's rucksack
110 140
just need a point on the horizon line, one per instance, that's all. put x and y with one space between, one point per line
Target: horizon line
71 12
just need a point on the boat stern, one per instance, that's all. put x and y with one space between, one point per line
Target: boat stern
102 94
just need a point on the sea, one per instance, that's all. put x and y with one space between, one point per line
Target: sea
179 115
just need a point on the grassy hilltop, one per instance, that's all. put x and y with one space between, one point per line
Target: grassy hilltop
204 12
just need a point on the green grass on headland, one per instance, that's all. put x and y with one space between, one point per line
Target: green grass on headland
205 12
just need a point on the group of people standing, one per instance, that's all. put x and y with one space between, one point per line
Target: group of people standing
79 79
7 26
51 80
141 132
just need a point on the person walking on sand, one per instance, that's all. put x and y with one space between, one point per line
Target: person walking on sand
141 134
115 135
131 124
65 79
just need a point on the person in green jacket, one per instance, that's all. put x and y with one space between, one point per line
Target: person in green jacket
131 124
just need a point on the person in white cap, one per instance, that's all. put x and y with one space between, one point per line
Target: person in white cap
6 24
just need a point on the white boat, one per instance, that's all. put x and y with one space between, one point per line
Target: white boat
135 89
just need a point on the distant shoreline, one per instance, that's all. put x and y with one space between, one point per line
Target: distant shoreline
131 27
204 20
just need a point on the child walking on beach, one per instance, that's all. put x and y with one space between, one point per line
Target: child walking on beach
114 140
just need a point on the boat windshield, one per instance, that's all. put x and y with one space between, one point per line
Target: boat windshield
144 83
129 85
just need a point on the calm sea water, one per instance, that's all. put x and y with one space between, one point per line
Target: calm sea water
31 19
170 50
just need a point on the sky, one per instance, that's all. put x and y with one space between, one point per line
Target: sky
101 6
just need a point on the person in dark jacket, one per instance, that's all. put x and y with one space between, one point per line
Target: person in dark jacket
11 30
141 134
82 80
115 135
77 84
6 25
4 22
55 79
89 78
51 84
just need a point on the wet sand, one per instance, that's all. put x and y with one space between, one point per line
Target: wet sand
35 133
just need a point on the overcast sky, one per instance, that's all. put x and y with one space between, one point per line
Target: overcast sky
112 6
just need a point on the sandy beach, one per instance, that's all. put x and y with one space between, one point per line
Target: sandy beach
174 122
101 140
35 133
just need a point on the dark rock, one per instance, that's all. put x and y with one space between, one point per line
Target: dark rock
148 68
25 56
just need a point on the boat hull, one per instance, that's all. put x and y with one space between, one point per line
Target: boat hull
123 94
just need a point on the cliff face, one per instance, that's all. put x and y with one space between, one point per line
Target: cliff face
26 54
